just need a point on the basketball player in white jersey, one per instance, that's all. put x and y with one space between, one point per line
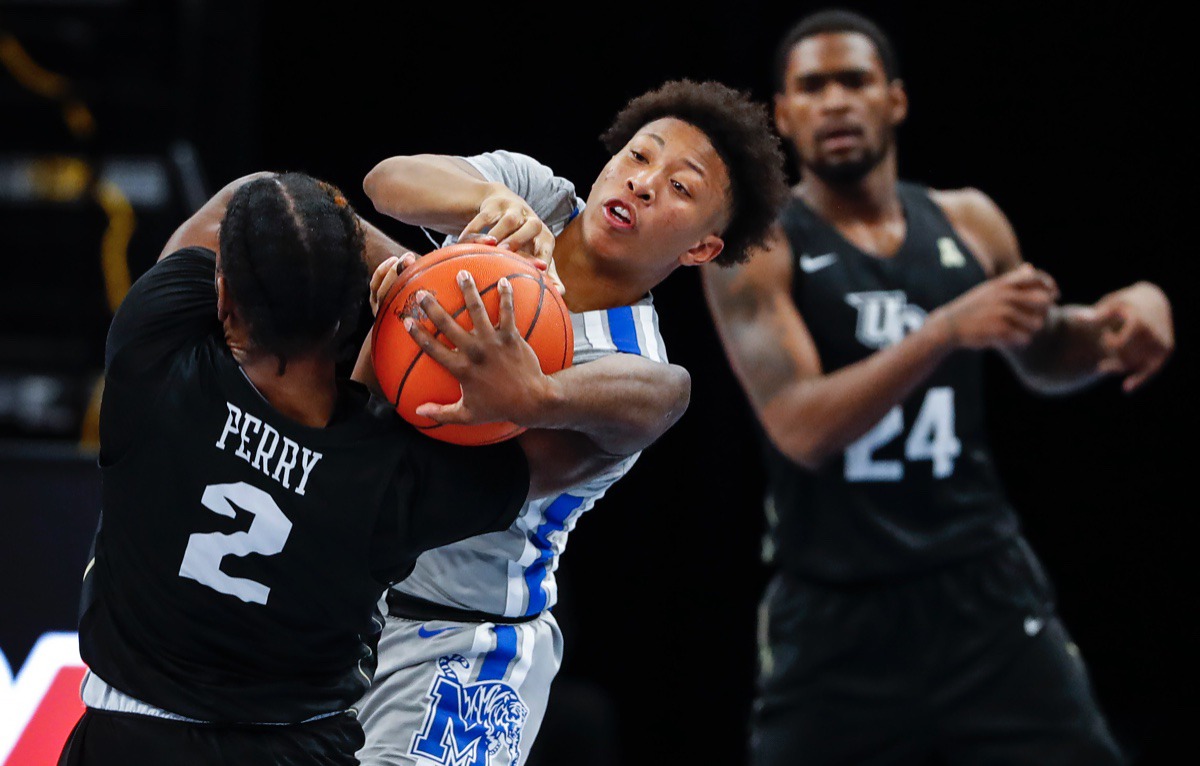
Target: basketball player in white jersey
470 646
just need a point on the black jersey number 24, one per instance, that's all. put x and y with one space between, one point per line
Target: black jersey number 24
266 536
931 438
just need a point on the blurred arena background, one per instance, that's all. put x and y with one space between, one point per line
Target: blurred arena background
118 117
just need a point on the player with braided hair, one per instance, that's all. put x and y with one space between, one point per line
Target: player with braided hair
319 244
255 507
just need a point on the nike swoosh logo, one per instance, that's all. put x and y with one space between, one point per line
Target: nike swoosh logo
424 633
810 263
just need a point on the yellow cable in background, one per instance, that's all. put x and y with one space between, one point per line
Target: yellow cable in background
65 178
114 247
46 84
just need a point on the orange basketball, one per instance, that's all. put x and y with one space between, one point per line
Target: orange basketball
409 377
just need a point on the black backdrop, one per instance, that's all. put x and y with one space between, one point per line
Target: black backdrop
1071 118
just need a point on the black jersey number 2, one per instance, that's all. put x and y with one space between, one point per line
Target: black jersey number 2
266 536
931 438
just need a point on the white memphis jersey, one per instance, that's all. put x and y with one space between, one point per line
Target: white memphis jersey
511 573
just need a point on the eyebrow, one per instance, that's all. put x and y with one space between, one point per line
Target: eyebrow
661 143
832 73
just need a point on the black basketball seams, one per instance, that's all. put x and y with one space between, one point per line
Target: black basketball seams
437 333
389 305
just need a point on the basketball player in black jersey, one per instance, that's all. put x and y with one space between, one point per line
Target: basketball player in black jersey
255 507
907 621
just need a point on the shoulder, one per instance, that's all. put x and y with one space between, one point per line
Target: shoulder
770 269
980 222
629 329
193 256
500 163
967 202
177 286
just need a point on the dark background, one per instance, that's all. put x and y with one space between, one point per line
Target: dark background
1074 118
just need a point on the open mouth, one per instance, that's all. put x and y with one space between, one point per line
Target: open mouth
838 138
619 215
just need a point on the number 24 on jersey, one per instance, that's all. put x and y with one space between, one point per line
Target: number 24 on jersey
932 438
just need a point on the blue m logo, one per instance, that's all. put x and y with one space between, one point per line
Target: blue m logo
466 725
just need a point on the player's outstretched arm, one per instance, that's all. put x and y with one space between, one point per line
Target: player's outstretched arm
621 403
810 415
447 194
1128 332
607 410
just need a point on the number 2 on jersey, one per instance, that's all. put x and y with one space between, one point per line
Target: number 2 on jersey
267 534
931 438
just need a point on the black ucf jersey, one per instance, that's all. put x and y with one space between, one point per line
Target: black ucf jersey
919 488
240 556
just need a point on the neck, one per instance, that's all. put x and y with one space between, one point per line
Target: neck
591 283
872 198
306 391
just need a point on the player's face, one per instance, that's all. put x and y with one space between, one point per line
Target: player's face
661 201
838 108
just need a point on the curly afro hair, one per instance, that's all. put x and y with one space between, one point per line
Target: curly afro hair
740 132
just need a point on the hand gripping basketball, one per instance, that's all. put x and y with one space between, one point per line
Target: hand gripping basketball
465 340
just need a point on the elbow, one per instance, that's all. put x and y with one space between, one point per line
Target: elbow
680 388
379 183
804 447
652 418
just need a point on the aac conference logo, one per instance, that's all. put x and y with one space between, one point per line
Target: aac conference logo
40 704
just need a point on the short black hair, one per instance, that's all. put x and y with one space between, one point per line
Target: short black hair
740 132
835 20
292 257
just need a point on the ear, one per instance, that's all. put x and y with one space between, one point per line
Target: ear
703 251
899 98
782 125
224 307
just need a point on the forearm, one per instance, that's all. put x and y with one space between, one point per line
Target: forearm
379 246
811 419
432 191
559 460
622 404
1064 356
364 368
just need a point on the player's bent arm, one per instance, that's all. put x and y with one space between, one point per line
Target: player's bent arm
203 228
621 402
435 191
559 460
1063 356
808 415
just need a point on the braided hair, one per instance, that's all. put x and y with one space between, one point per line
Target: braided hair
292 258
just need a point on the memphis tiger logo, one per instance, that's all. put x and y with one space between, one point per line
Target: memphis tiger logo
884 317
39 704
469 724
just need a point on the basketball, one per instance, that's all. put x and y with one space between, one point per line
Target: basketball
409 377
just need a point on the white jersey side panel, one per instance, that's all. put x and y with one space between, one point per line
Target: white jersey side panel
511 573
